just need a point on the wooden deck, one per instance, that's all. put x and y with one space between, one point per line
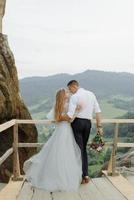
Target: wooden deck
104 188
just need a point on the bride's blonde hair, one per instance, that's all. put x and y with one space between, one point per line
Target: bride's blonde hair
59 104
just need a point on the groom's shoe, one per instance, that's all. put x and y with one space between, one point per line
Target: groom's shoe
83 181
87 179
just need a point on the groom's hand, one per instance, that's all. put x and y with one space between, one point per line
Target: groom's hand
99 130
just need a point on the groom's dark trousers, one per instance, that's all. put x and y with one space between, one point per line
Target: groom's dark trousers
81 129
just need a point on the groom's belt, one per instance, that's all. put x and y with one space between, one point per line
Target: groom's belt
82 118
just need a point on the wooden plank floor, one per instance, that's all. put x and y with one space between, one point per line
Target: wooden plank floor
130 179
123 185
11 190
97 189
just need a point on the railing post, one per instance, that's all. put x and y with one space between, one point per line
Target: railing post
16 164
115 149
112 162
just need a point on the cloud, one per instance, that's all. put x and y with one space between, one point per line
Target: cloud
49 36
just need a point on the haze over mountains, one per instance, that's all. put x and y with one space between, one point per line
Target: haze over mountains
39 92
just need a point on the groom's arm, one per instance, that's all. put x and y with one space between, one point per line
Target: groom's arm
71 110
98 123
98 117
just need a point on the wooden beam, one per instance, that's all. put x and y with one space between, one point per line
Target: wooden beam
22 144
112 161
125 144
26 121
6 155
16 163
10 123
119 121
109 169
6 125
115 149
30 144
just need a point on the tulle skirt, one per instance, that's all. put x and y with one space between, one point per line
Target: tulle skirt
58 165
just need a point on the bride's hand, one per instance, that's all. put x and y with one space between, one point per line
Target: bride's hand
71 120
78 108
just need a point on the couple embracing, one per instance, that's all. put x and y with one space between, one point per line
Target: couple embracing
62 163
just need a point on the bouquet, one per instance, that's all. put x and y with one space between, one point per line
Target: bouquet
97 143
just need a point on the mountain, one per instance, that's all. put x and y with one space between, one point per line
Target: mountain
104 84
39 92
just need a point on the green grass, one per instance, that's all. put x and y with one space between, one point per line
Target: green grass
124 98
39 115
37 105
109 111
94 168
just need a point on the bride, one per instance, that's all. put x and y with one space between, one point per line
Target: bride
58 166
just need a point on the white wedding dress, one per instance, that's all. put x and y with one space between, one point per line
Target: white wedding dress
58 166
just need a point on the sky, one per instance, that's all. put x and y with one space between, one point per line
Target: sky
70 36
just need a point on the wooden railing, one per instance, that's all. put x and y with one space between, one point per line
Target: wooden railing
16 144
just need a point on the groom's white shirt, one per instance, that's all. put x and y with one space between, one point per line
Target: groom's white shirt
88 102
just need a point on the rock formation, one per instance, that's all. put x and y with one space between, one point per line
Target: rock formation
2 12
12 106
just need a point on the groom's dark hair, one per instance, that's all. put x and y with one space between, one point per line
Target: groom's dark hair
73 82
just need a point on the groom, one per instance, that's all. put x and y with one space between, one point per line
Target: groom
82 123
